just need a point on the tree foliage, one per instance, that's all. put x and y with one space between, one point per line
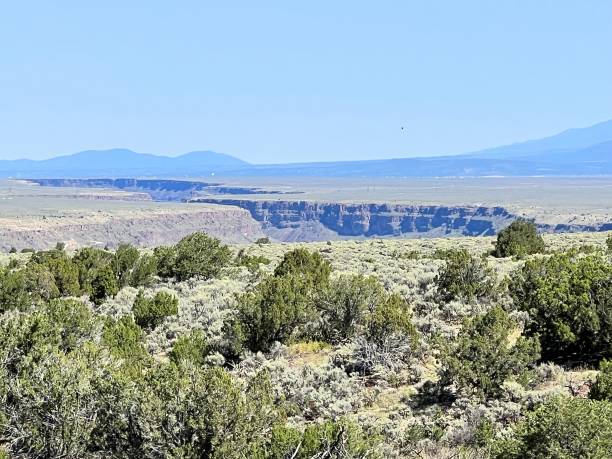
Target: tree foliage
484 356
274 311
464 277
390 317
88 261
281 305
563 428
124 262
196 255
344 305
569 300
200 255
519 239
151 312
103 284
124 339
63 269
602 389
250 262
192 347
311 266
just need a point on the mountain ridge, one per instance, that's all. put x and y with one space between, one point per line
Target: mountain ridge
122 161
574 138
579 151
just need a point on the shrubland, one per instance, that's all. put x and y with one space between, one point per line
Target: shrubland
352 349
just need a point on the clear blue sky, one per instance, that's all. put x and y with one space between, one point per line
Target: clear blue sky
280 82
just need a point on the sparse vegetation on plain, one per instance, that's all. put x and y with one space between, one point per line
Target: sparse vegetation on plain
358 349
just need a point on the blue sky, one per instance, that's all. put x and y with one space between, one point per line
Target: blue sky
299 81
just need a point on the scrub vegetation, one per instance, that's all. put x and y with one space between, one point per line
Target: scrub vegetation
438 348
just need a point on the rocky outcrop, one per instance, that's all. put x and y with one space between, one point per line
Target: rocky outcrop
368 220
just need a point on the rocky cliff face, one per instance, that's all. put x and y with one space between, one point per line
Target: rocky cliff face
296 220
144 228
312 221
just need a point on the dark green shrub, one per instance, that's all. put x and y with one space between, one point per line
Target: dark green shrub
64 270
250 262
125 259
62 325
564 428
40 282
262 240
165 260
143 273
124 339
609 243
602 389
483 356
344 305
22 288
190 348
28 250
72 323
519 239
391 317
151 312
14 293
13 250
309 265
200 255
274 310
88 261
233 339
569 301
103 284
13 263
192 412
464 277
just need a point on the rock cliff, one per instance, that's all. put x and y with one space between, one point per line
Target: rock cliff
295 220
144 228
312 221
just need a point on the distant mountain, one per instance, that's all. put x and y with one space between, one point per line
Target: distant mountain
122 162
208 158
568 141
584 151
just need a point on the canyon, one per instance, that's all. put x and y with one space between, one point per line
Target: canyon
313 221
157 211
140 226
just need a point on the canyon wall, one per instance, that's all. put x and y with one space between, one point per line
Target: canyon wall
300 220
144 228
303 220
157 189
312 221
